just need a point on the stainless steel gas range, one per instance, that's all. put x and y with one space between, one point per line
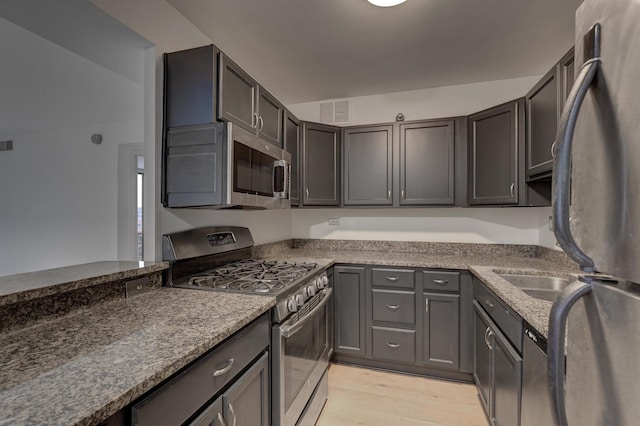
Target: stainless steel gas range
219 259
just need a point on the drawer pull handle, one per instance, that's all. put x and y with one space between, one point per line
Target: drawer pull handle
489 304
426 304
393 307
221 420
393 345
441 282
224 370
393 279
487 335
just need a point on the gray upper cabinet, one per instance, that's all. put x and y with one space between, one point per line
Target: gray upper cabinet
190 87
495 139
321 165
567 74
237 94
270 116
293 145
368 165
427 163
543 113
242 101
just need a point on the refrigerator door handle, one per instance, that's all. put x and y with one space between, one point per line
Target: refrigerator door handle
562 160
555 345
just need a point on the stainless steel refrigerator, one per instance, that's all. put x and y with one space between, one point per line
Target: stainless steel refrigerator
596 207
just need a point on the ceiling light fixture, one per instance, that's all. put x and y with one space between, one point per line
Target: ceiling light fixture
386 3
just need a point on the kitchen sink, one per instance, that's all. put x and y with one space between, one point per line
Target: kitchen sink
540 287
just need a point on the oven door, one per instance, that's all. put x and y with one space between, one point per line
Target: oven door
301 349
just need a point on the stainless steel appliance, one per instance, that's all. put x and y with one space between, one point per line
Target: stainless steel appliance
224 166
219 259
596 206
535 409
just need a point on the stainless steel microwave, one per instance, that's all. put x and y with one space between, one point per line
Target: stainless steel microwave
224 166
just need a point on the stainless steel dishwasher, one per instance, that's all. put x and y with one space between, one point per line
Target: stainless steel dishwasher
536 400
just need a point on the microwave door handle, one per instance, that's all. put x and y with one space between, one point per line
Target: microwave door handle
280 192
555 345
562 160
289 330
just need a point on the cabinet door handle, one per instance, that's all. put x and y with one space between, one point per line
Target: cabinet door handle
224 370
489 304
393 345
393 307
254 120
261 123
307 191
426 304
233 413
553 149
402 194
441 282
392 279
512 190
388 194
221 420
487 335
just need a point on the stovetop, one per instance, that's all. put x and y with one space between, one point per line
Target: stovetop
251 276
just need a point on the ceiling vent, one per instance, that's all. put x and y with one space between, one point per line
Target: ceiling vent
334 112
6 145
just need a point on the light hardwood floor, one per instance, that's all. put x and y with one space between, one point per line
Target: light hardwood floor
360 396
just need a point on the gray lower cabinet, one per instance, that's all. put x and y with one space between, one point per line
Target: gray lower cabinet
293 145
427 163
441 330
349 310
495 139
368 167
401 319
245 403
497 367
228 375
321 153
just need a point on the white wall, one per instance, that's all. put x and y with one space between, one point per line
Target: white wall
474 225
59 190
169 31
438 102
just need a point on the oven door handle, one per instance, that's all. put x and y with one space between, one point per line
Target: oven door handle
289 330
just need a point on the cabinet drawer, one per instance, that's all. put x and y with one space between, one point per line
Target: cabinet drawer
394 306
441 280
394 344
401 278
183 395
505 318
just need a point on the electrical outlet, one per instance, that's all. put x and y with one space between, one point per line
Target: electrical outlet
334 221
550 223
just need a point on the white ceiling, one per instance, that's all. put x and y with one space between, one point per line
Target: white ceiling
306 50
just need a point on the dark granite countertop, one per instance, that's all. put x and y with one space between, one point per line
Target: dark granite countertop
84 367
33 285
483 260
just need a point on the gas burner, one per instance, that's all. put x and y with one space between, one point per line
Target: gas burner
253 276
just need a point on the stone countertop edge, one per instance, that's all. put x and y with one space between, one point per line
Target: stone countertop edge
83 368
532 310
32 285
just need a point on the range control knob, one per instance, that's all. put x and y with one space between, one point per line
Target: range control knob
292 306
325 280
311 290
299 300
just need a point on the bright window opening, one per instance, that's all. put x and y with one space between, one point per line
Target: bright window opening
139 205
